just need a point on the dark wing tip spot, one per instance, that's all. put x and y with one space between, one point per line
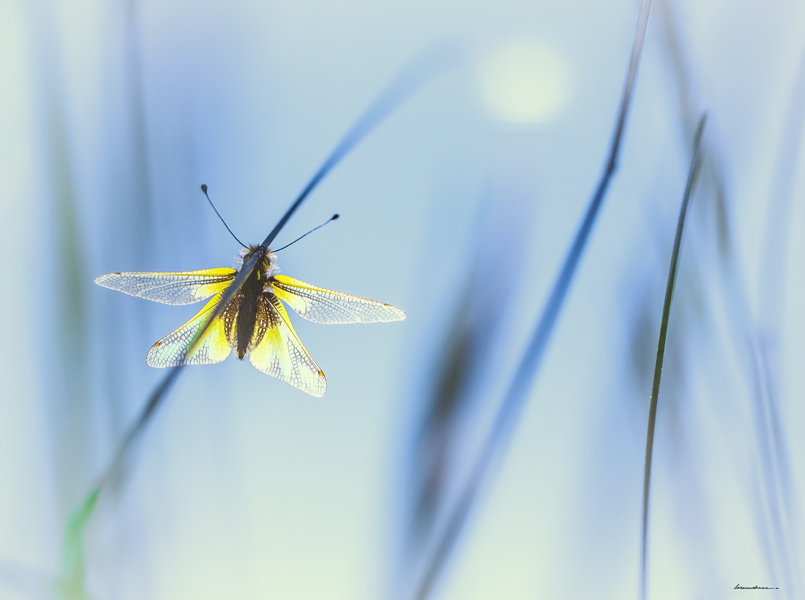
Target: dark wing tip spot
321 374
157 344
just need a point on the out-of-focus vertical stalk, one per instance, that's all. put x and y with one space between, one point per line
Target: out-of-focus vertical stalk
58 292
431 461
781 494
70 385
142 224
131 220
695 167
69 371
464 359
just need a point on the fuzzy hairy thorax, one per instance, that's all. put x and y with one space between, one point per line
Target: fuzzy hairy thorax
268 265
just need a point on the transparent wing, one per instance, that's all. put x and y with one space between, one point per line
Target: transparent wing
325 306
279 352
171 351
170 288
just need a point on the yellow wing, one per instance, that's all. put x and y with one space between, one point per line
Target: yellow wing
170 288
279 353
325 306
171 351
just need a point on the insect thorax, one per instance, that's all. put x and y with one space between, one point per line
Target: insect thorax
267 266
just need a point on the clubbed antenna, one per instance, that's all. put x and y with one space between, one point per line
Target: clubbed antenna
204 189
333 218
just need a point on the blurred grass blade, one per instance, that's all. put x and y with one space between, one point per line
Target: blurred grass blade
67 378
464 359
73 583
776 474
160 392
142 217
526 372
413 76
775 243
693 176
74 537
447 399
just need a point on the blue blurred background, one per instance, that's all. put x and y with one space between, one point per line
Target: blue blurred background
459 209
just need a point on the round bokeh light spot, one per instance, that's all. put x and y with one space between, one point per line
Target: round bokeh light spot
524 82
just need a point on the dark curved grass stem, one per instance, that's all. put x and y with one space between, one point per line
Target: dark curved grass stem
159 393
409 81
402 87
515 396
693 176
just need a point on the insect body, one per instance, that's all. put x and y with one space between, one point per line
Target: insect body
254 323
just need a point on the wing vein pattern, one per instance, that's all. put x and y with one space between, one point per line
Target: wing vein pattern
171 351
177 288
326 306
279 353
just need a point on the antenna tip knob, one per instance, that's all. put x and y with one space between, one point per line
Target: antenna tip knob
204 187
335 216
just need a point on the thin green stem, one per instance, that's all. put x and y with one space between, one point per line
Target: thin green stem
693 176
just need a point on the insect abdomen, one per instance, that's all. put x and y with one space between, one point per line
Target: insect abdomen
247 314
